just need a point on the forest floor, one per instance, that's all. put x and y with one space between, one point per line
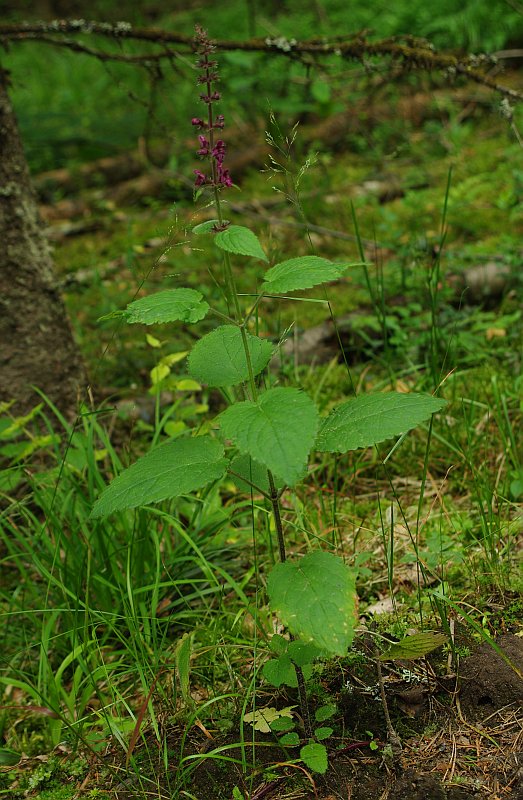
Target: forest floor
457 712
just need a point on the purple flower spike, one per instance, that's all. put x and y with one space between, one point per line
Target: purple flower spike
217 176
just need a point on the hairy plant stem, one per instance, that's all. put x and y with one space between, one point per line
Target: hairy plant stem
232 299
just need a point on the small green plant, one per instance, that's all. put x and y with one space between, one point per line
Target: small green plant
265 435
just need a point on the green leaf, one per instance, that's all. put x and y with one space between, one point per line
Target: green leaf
321 91
325 712
8 758
314 756
315 597
10 479
302 653
218 359
184 305
323 733
247 469
237 239
205 227
280 672
282 724
415 646
172 469
278 644
262 718
366 420
289 740
277 430
301 273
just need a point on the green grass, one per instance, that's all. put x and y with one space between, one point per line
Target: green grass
94 612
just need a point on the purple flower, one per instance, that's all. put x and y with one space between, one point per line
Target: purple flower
218 151
223 176
200 179
198 123
204 146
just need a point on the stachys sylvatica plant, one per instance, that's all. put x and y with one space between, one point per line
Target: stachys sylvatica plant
265 438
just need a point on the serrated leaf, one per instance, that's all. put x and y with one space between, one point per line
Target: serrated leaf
315 597
314 756
323 733
415 646
262 718
368 419
325 712
172 305
205 227
172 469
219 359
289 740
282 724
240 240
301 273
278 644
280 672
277 430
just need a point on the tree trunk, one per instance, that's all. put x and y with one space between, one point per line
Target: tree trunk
36 342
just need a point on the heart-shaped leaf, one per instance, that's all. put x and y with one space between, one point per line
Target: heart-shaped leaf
219 359
237 239
314 756
315 596
277 430
172 469
172 305
368 419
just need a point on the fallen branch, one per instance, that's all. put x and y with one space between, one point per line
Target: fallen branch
415 53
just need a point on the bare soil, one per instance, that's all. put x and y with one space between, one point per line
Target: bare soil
462 739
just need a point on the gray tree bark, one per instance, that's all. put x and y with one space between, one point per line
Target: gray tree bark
36 342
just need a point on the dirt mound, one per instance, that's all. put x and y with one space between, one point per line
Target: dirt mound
488 682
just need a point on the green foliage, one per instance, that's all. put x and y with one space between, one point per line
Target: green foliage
316 599
127 588
414 646
365 421
172 469
314 756
219 358
302 273
277 430
184 305
240 240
